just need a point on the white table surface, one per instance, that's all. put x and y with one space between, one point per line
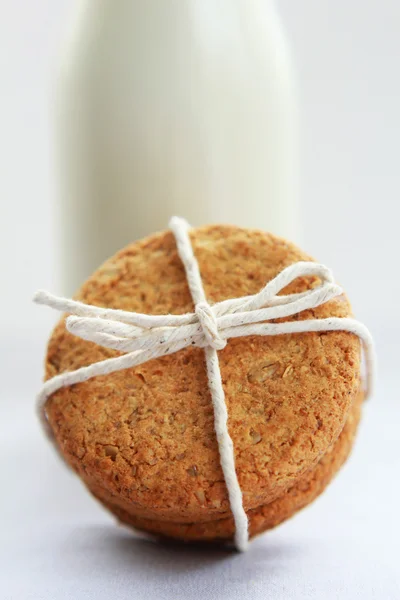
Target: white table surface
58 543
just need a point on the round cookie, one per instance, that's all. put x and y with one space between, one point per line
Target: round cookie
145 436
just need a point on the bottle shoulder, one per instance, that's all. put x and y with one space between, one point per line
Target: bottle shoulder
237 36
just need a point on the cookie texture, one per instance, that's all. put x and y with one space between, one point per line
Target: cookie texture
143 439
311 485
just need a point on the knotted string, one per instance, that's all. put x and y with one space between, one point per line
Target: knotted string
143 337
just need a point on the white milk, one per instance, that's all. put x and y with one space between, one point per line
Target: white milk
171 107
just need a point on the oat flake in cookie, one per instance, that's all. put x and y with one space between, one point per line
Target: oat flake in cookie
143 438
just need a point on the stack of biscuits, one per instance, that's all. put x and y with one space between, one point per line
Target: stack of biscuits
142 439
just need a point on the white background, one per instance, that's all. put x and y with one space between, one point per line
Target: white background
57 542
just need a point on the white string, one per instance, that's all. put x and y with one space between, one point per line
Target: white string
209 327
143 337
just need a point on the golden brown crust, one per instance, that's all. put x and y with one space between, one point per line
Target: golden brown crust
265 517
146 435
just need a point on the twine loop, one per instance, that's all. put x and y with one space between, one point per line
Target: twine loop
209 326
